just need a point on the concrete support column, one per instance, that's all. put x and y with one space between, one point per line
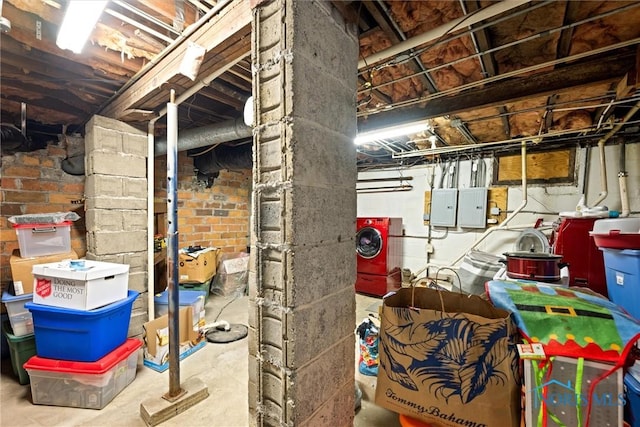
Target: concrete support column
116 203
302 299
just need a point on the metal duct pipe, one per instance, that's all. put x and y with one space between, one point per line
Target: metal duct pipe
207 135
193 138
223 157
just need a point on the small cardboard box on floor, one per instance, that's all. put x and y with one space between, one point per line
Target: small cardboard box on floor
156 338
21 269
197 266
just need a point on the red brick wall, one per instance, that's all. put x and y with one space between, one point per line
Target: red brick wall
216 216
34 183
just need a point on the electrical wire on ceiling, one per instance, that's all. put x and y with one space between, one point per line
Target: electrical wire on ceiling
543 33
479 27
514 73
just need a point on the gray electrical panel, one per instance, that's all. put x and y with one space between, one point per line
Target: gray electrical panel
444 202
472 207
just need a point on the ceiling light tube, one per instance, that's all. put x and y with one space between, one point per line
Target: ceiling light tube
79 19
390 132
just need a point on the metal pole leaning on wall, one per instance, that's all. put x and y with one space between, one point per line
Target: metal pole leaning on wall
172 254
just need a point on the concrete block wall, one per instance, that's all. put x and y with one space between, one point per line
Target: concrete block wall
216 216
116 203
31 183
302 299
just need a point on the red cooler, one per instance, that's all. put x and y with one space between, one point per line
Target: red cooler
578 249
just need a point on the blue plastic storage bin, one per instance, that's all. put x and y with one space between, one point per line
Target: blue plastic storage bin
81 335
20 318
195 299
622 270
632 396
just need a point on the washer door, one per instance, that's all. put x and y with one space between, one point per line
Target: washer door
368 242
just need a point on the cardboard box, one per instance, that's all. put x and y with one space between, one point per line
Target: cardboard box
21 269
198 266
156 338
195 299
92 285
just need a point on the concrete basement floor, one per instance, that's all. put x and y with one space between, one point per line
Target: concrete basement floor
222 367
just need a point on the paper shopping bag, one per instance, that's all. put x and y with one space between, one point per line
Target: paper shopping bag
448 359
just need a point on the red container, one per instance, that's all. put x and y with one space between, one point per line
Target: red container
579 251
534 266
614 239
89 385
406 421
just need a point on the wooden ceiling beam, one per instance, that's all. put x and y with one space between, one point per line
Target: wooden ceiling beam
24 30
488 62
36 71
212 93
167 10
233 21
571 15
220 64
232 80
573 76
46 98
11 113
52 65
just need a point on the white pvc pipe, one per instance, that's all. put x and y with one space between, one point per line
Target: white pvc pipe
624 195
603 166
604 189
436 33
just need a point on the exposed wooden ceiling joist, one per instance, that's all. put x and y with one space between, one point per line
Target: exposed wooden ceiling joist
609 68
233 22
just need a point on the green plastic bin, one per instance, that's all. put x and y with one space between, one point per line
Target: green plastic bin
21 349
194 286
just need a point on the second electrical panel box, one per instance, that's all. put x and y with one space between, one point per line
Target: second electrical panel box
444 202
472 207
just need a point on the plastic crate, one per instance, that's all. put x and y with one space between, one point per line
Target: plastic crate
20 350
558 394
81 384
79 335
43 239
622 270
196 299
20 318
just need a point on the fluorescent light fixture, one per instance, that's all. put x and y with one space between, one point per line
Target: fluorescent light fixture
79 19
390 132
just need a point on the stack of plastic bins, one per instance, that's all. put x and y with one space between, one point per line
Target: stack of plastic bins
18 333
619 241
84 358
